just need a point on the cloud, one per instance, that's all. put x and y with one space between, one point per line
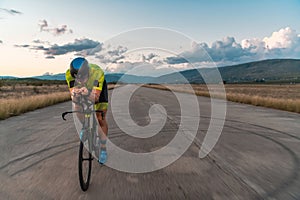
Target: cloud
47 74
139 63
38 41
11 11
284 43
117 51
92 51
144 68
111 54
78 46
22 46
121 67
43 24
226 49
149 58
63 29
284 38
118 55
176 60
135 68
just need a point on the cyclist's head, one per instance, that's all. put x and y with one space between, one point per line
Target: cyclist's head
79 68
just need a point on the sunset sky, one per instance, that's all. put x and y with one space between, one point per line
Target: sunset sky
39 37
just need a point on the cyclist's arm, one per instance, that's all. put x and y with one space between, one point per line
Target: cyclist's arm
97 88
94 95
71 84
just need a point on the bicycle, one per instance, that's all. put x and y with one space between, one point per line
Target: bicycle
88 142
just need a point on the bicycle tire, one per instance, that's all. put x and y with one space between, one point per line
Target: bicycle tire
84 174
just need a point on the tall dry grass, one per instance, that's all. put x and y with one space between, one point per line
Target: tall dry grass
288 104
12 107
18 99
283 97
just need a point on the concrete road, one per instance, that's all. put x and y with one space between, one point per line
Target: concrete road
256 157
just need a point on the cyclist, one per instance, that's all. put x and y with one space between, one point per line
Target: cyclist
88 80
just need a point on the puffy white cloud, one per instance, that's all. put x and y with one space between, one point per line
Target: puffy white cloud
284 43
224 50
254 45
284 38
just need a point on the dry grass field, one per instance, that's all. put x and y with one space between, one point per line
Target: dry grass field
283 97
19 98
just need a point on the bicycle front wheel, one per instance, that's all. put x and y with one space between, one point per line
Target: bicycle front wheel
84 167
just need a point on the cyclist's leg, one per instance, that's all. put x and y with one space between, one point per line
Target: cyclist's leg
102 131
103 127
102 106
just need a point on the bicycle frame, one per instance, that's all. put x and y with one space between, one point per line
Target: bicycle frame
89 132
88 111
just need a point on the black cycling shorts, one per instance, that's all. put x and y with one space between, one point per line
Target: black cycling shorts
104 93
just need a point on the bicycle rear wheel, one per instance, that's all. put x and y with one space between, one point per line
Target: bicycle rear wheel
84 167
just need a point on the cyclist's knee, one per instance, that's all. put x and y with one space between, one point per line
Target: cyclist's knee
102 118
102 123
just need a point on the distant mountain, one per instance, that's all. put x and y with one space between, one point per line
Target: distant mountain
126 78
266 70
8 77
60 77
274 70
110 78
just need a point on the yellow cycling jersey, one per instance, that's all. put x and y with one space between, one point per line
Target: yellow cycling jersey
95 81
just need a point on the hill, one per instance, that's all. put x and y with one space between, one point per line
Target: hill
8 77
60 77
271 71
275 70
110 78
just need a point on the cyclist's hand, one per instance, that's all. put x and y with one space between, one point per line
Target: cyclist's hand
76 91
84 91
